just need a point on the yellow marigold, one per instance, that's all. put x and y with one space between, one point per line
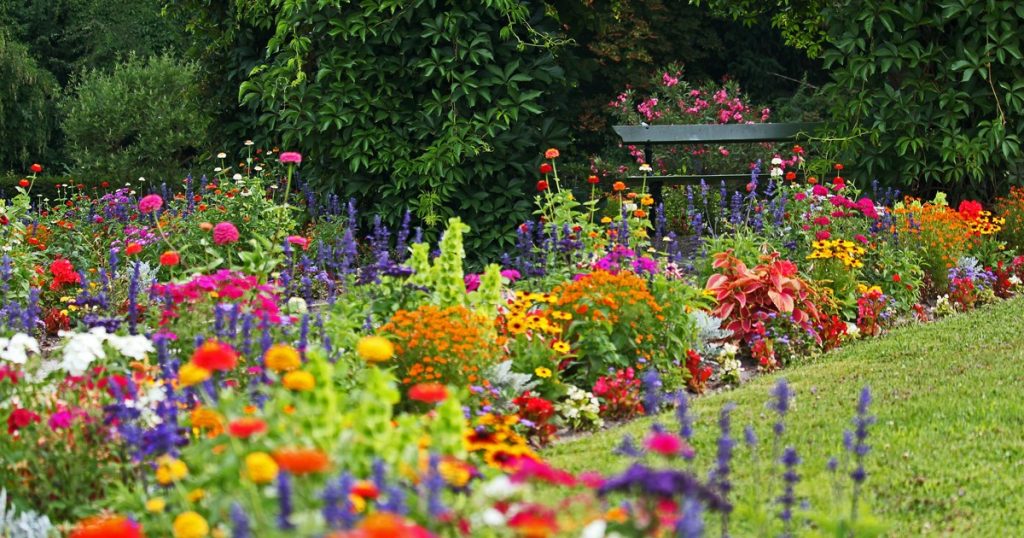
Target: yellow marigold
190 374
207 420
196 495
260 468
282 358
170 470
156 505
190 525
375 348
299 380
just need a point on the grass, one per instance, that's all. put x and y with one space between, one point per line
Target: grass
948 447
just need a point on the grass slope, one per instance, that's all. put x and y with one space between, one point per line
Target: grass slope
948 447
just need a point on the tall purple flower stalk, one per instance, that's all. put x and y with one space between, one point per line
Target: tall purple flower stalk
787 500
691 522
683 416
284 501
652 391
860 448
720 474
240 527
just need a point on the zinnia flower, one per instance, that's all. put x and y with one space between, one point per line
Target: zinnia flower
190 525
214 355
668 444
593 180
170 470
551 153
618 186
290 157
299 381
133 249
542 185
545 168
282 358
428 392
365 489
170 258
36 168
246 427
260 468
189 374
375 349
299 461
298 240
225 233
107 526
150 203
19 418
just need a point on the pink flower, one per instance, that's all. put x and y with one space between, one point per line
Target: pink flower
472 281
861 238
822 221
225 233
290 157
531 469
511 274
60 420
298 240
668 444
822 235
818 190
150 203
800 197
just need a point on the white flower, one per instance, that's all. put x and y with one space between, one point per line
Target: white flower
236 177
492 518
776 172
17 347
852 330
222 155
1014 280
249 142
134 347
595 529
645 167
500 488
81 350
729 350
777 161
217 169
258 168
297 305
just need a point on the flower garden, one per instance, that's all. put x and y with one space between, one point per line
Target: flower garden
464 307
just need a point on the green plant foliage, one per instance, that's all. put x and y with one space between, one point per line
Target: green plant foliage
336 85
26 106
144 119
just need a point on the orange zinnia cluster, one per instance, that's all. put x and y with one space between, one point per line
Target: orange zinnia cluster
441 345
940 233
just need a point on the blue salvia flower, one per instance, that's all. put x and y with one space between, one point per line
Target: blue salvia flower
660 222
860 448
239 522
780 405
787 500
401 241
691 522
723 200
133 300
749 437
652 386
266 340
395 501
112 261
379 474
720 475
246 333
337 508
434 485
627 448
284 501
737 206
683 416
689 199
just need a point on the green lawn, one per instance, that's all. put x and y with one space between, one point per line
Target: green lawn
948 447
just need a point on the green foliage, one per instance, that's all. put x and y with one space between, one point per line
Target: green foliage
335 86
146 118
27 92
933 90
444 276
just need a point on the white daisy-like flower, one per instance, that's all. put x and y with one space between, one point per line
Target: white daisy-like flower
249 142
133 346
236 177
222 155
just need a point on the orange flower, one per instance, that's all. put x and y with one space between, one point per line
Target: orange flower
551 153
246 427
299 461
107 526
213 355
209 420
366 489
618 186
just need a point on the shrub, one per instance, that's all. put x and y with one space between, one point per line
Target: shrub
145 118
449 345
1011 209
26 113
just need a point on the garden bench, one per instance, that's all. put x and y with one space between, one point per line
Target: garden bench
651 135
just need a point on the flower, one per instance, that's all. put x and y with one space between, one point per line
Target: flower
646 168
150 203
542 185
246 427
282 358
189 374
60 420
170 258
542 372
365 489
260 468
545 168
299 461
668 444
593 180
156 505
190 525
133 249
551 153
375 348
36 168
225 233
299 380
560 346
428 392
17 347
618 186
81 350
290 157
170 470
107 526
24 183
214 355
19 418
298 240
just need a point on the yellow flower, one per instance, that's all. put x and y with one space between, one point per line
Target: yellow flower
560 346
156 505
196 495
170 470
260 468
606 220
190 374
375 348
358 503
299 380
282 358
190 525
543 372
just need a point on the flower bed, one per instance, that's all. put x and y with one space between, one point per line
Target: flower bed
240 361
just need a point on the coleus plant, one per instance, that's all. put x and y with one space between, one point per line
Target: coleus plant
744 294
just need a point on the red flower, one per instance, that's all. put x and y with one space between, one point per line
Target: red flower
63 273
246 427
668 444
593 180
428 392
104 184
969 209
838 166
36 168
542 185
790 176
365 489
896 277
822 235
302 460
214 355
107 526
545 168
19 418
170 258
24 183
132 249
